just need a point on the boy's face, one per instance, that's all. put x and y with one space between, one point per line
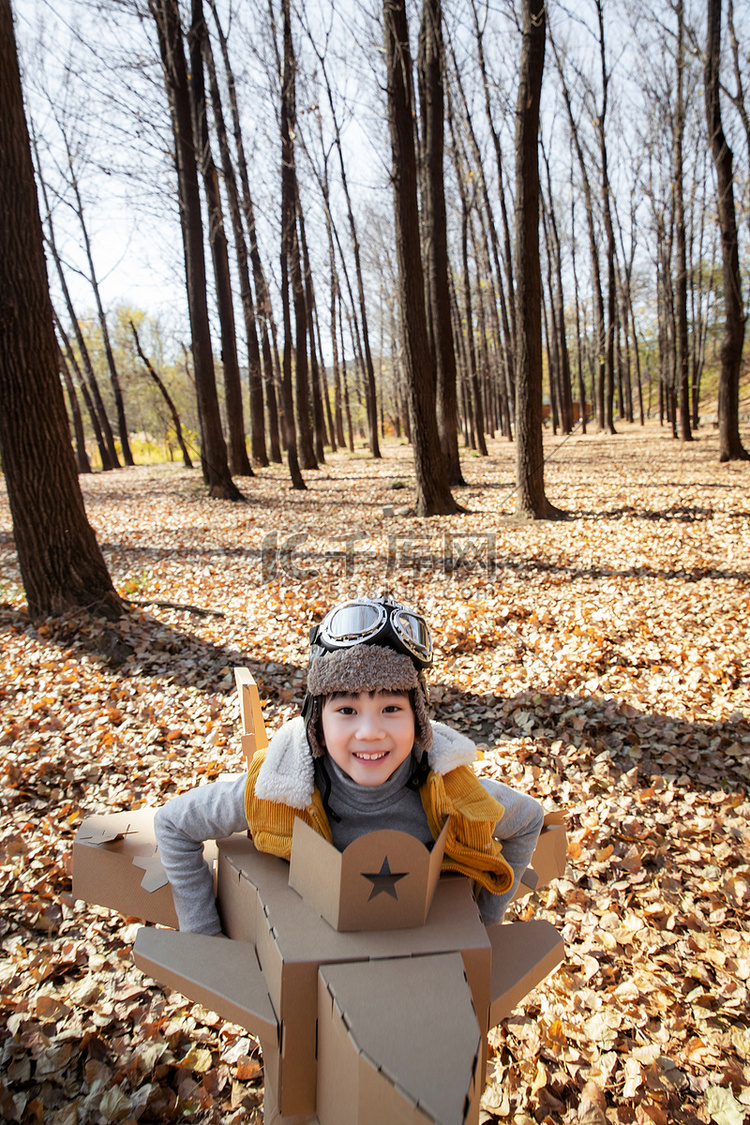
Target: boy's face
368 735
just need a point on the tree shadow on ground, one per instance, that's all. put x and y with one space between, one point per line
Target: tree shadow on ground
703 755
706 755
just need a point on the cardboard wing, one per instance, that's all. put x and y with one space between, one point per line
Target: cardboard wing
116 864
523 954
382 881
224 976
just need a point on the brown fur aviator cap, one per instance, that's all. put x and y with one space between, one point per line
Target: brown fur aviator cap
366 668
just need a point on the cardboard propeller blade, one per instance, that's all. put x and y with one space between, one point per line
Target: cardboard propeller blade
224 976
523 954
398 1040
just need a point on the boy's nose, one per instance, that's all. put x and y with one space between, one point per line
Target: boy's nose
369 728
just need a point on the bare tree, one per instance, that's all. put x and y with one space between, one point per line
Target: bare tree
730 444
531 500
433 492
431 67
61 564
213 447
681 319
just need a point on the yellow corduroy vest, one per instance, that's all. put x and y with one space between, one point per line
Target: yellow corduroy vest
470 847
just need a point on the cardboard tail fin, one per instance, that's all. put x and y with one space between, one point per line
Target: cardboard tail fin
398 1041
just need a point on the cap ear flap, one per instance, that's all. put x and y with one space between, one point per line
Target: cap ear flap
315 738
422 724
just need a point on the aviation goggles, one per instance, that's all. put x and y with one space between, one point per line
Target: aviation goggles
375 622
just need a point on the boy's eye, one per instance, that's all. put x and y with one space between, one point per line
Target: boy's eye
392 708
346 710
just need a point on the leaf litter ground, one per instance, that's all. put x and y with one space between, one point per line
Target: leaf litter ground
600 663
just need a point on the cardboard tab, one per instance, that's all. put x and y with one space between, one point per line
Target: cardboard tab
398 1040
254 735
383 881
523 954
224 976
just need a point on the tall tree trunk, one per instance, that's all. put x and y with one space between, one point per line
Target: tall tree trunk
683 366
370 389
107 449
730 444
531 501
319 425
609 424
238 459
213 447
599 397
61 565
433 492
436 240
579 357
255 378
263 310
290 256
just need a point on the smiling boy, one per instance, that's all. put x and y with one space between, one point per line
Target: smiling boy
363 756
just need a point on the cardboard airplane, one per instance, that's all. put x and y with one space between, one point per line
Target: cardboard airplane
369 978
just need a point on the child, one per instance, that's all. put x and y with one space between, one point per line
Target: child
362 756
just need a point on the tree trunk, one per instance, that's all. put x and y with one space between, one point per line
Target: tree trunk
61 565
254 373
599 396
213 447
264 311
238 459
290 256
370 389
93 416
107 450
531 501
433 492
683 367
730 444
436 240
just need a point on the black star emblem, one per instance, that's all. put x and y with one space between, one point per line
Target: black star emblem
383 882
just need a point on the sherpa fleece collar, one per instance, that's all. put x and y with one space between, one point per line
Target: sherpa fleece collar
287 775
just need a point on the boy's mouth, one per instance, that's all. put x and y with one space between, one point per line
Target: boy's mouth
377 756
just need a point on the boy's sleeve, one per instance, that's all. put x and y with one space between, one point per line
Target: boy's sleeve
210 812
518 829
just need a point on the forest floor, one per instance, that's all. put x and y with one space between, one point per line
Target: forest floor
601 663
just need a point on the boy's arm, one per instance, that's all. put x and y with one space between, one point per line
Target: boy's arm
210 812
518 829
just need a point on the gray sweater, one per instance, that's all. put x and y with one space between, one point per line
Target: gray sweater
214 811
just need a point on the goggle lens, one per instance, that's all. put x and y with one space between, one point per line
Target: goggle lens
415 629
350 622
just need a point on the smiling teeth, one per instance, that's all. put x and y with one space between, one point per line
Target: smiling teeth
371 757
